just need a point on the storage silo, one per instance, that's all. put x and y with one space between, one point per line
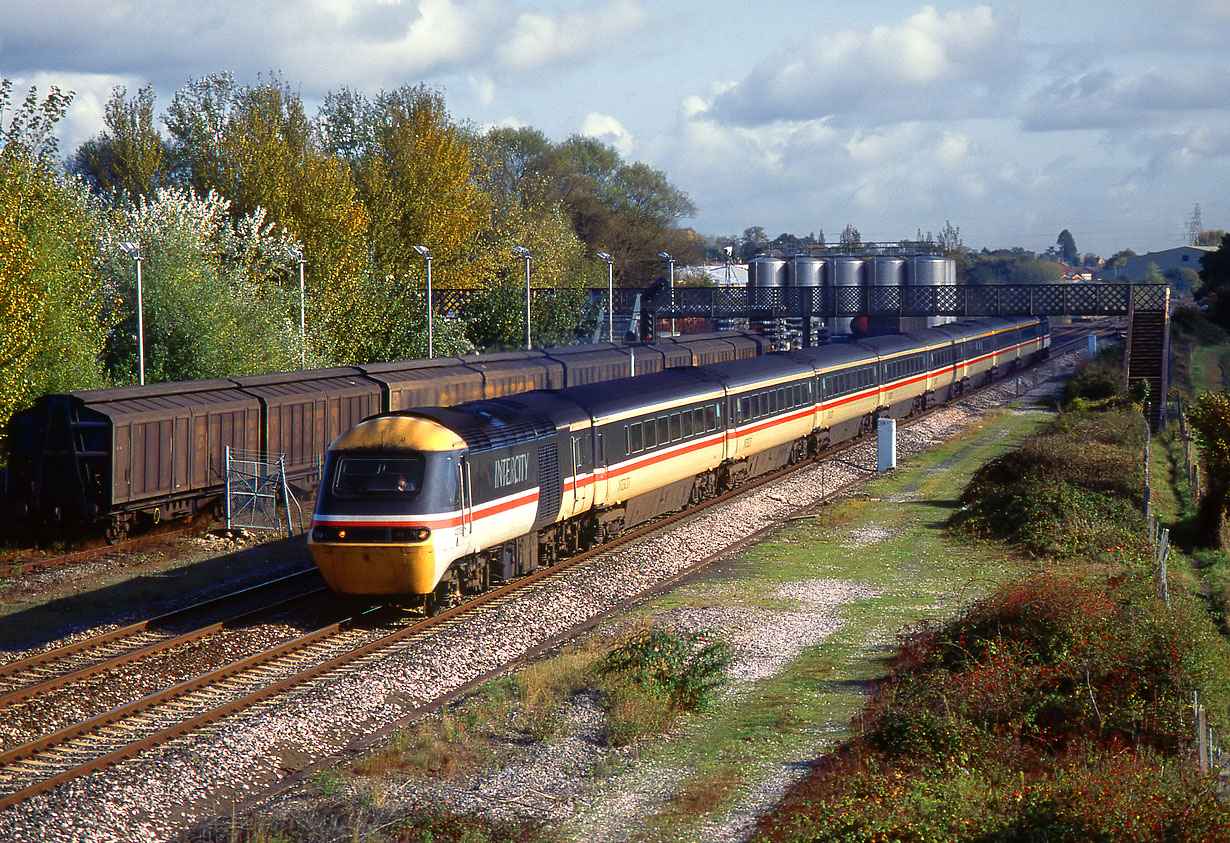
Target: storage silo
808 273
765 274
886 277
846 274
925 273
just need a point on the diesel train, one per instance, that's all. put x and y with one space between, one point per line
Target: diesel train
112 458
439 501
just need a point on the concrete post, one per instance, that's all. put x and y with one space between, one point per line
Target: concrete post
886 444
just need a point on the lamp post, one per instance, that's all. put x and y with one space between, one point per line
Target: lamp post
297 254
671 261
523 252
610 295
133 250
426 253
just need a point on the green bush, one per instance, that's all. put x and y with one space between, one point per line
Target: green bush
1054 709
682 668
653 674
1074 488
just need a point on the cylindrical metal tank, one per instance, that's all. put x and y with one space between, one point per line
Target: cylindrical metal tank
929 271
807 273
847 275
765 273
885 282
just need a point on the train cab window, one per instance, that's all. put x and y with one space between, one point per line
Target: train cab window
384 477
687 423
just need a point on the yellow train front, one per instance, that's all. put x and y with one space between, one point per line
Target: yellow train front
388 509
442 500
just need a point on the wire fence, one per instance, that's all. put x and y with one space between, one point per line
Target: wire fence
1209 755
255 488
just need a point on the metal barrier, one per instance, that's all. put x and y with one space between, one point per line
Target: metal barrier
254 488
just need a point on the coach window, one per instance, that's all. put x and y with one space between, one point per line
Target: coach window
745 408
664 430
698 420
686 416
647 434
711 417
676 428
635 445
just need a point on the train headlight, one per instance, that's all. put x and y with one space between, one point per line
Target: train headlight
318 535
411 534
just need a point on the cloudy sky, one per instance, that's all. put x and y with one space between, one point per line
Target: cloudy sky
1013 121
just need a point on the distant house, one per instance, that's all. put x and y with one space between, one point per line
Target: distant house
1135 268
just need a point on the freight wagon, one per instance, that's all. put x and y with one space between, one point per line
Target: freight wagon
119 457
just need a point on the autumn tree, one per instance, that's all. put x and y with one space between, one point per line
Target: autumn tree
130 158
628 210
52 302
254 146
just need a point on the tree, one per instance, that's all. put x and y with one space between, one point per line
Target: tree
214 300
1211 421
255 147
130 157
420 183
1214 289
53 305
949 240
1119 259
1182 279
1210 237
1035 272
1066 247
851 240
752 242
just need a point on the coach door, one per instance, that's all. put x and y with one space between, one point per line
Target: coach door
582 471
465 494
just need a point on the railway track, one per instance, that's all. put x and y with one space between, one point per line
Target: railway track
92 743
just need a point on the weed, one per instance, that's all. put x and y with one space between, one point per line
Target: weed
325 783
653 675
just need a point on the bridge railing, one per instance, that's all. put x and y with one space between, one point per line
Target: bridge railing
959 300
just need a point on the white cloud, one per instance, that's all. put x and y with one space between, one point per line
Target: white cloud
539 39
1103 99
610 131
927 66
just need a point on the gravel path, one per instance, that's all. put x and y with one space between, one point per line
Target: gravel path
160 793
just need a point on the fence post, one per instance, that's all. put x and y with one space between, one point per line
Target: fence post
1202 737
228 487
